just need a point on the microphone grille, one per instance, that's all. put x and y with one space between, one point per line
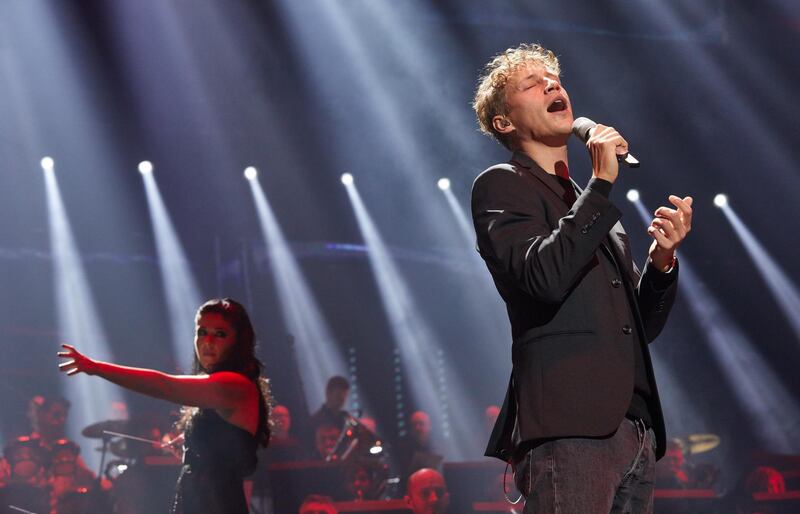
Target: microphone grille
581 127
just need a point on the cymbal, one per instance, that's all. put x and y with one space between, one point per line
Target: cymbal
95 430
701 443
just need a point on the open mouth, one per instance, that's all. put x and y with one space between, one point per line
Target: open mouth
558 105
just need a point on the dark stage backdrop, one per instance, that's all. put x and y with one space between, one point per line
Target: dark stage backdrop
307 90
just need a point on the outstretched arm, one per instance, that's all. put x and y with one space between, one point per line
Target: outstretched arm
223 390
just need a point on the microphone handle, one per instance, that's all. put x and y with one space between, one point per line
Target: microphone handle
582 128
628 160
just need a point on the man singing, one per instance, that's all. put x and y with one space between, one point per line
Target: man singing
581 422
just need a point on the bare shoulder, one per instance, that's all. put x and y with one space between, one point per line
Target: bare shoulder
230 377
233 382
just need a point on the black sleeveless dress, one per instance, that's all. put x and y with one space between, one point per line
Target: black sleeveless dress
217 457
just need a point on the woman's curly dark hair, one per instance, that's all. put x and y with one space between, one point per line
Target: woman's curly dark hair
242 360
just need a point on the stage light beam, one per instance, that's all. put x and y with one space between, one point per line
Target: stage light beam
479 290
180 288
632 195
777 279
347 179
250 173
78 318
416 341
721 200
315 343
464 224
444 184
47 163
145 167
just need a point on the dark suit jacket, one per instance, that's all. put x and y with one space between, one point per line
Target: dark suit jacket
573 349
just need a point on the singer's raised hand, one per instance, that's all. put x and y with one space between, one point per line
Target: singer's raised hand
604 145
668 229
76 362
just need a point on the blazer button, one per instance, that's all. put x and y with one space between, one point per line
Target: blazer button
616 282
627 330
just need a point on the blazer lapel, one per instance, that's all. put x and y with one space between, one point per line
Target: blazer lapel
520 159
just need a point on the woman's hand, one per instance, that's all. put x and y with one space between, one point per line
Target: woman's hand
77 363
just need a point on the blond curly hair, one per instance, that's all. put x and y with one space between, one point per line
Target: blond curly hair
490 96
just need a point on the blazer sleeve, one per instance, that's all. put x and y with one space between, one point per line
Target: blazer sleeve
655 295
517 242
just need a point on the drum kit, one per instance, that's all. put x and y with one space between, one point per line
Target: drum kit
683 467
51 479
703 474
139 486
48 479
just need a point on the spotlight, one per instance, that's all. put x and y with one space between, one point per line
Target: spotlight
250 173
720 200
347 179
633 195
444 184
145 167
47 163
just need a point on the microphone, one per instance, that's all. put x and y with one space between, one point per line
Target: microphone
582 128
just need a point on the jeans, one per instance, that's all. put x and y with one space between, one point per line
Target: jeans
613 475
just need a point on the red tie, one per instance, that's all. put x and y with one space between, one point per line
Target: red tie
562 172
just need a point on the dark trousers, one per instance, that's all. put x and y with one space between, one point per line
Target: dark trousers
614 475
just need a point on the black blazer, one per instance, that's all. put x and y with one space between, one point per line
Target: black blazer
573 361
